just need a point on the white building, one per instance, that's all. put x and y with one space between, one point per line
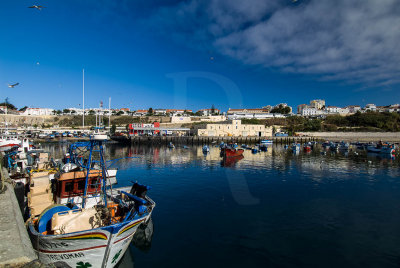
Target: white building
308 111
317 104
207 112
333 109
236 129
353 108
38 111
160 111
370 107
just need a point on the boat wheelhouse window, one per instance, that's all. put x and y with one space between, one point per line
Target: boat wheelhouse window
69 187
95 183
81 184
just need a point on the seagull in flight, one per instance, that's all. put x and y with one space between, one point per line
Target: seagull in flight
13 85
37 7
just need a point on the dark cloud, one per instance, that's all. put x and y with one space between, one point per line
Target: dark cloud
350 40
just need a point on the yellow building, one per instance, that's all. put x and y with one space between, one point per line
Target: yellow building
236 129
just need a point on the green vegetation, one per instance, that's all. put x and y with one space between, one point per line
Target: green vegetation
23 109
9 105
113 128
252 121
369 121
281 109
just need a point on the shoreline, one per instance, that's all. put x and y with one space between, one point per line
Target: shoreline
393 137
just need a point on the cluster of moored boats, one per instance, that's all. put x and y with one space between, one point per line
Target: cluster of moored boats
378 148
74 216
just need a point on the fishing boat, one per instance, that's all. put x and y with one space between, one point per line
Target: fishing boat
96 225
230 150
9 141
255 150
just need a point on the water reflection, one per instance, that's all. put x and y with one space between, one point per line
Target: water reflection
141 240
275 208
277 157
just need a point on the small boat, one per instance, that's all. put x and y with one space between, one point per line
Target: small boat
230 150
269 142
263 147
295 147
334 147
255 150
9 141
206 149
385 149
343 146
307 147
171 145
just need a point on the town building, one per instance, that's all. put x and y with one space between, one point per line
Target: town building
178 112
207 112
353 109
160 112
370 107
300 108
333 109
38 111
235 128
258 113
317 104
141 113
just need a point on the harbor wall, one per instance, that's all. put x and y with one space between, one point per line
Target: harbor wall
197 140
393 137
15 246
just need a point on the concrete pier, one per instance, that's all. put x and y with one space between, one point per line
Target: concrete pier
196 140
15 246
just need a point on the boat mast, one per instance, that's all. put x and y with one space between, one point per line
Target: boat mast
109 114
83 95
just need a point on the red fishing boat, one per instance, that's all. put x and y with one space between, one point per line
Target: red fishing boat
231 151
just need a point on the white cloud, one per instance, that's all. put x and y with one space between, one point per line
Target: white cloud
350 40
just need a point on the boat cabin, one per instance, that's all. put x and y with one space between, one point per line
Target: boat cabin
72 184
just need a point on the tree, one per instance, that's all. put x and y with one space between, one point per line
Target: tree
120 113
73 112
9 105
150 111
66 111
113 128
91 112
23 109
59 112
281 110
212 109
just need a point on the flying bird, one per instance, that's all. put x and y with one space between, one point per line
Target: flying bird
13 85
37 7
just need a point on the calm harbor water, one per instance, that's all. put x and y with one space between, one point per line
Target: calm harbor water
272 209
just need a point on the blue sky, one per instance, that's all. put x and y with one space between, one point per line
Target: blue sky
195 53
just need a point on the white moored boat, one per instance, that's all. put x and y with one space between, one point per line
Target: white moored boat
9 141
